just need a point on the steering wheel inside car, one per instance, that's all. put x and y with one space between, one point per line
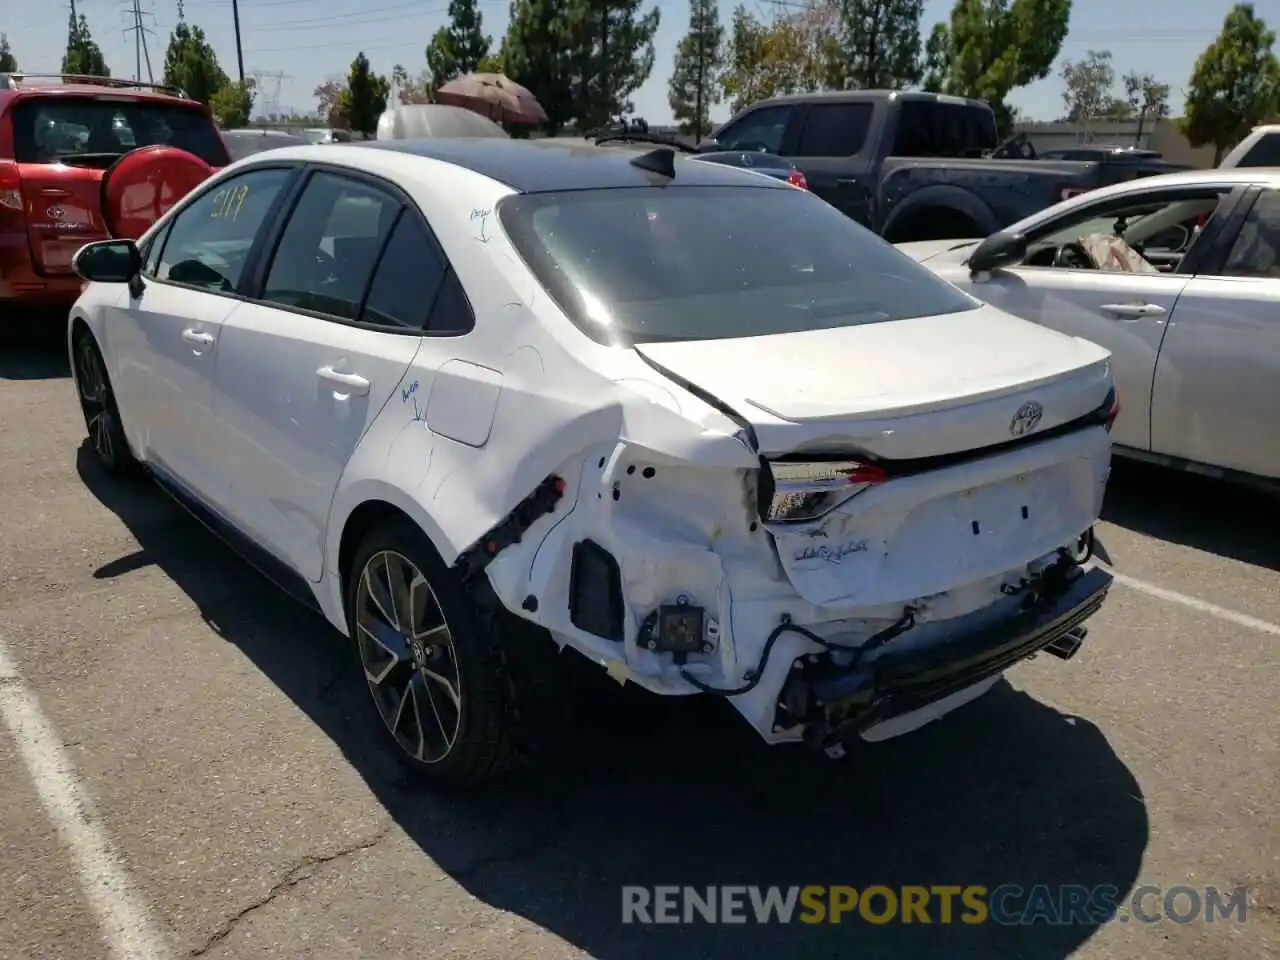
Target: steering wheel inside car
1072 256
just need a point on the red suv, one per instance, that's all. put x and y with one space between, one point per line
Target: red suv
59 143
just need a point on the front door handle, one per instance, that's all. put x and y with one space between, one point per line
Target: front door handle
350 382
1134 309
197 339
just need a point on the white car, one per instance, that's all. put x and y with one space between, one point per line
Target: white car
1178 277
441 388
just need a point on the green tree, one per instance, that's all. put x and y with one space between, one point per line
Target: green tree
407 88
536 56
232 104
1145 98
83 55
877 45
191 64
331 110
458 48
8 62
699 57
365 97
991 47
1088 85
1235 84
768 60
610 44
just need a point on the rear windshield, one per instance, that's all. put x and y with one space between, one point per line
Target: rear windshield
49 129
704 263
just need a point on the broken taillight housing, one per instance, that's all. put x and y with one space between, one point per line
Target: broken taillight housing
808 491
1114 410
797 179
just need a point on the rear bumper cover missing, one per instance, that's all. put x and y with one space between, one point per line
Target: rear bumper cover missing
837 703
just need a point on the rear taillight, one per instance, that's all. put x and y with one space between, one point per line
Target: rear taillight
807 491
10 186
797 179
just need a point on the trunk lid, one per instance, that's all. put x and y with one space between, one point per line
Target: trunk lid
902 389
63 213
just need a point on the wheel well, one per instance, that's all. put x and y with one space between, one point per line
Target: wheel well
935 223
363 519
79 329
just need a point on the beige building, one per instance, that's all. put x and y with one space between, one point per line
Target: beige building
1163 136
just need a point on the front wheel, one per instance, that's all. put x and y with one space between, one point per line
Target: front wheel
431 661
98 404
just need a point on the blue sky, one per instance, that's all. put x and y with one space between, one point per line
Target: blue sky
308 40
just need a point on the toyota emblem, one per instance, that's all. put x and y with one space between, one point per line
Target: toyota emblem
1026 419
56 213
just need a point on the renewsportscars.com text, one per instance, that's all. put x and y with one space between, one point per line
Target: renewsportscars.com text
1008 905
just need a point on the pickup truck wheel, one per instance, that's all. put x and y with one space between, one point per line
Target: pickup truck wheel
98 404
431 660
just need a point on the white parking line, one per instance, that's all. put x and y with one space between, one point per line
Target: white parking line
1194 603
123 921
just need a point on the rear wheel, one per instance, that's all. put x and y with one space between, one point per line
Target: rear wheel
431 660
98 404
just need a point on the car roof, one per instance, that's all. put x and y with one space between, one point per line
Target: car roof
13 86
550 164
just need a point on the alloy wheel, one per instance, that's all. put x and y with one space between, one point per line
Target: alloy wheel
408 655
95 398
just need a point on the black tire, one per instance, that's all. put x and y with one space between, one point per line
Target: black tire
485 744
101 415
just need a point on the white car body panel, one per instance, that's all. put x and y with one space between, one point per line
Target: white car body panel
1195 358
455 430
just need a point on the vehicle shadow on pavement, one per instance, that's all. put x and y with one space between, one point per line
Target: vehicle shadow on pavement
1195 511
642 790
33 352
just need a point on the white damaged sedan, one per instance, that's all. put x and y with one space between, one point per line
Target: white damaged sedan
692 423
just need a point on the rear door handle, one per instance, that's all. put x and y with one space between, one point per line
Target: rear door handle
352 382
1134 309
198 339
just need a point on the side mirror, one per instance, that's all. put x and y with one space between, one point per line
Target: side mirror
998 250
108 261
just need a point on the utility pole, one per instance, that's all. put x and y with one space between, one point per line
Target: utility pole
139 31
235 16
701 26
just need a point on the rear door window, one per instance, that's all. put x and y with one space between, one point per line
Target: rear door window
834 129
330 246
53 129
1256 251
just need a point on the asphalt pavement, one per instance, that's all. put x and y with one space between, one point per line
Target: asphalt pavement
188 766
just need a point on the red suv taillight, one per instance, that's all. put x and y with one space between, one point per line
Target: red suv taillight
796 179
10 187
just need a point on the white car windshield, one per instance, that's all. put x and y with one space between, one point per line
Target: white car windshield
702 263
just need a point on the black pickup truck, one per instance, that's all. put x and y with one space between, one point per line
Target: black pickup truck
913 166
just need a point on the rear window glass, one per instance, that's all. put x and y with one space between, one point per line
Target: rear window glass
705 263
46 130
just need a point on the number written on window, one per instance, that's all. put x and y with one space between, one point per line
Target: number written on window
228 202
